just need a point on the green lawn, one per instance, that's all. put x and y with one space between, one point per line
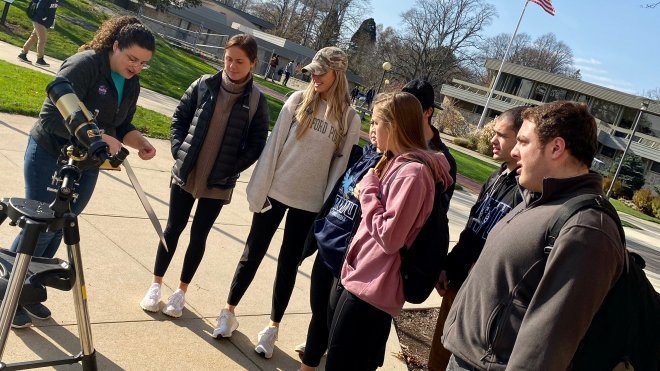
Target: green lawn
620 206
172 70
472 167
274 86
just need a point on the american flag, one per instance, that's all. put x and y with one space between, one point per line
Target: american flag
546 5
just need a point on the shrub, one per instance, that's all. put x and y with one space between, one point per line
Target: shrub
451 121
642 200
483 138
617 191
655 205
631 174
463 142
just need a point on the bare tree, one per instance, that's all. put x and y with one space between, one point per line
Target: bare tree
545 53
164 4
438 37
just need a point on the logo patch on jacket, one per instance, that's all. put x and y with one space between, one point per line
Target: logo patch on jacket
103 90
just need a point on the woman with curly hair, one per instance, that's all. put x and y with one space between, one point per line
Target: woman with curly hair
104 77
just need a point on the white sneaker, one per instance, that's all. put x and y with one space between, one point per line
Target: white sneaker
266 341
300 349
175 304
151 299
227 324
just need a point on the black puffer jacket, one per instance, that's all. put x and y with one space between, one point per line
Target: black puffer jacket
242 142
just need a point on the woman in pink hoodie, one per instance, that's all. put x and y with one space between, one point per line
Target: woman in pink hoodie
396 199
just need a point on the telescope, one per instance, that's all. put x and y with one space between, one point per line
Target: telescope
79 122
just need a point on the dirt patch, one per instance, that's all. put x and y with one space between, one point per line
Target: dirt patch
415 328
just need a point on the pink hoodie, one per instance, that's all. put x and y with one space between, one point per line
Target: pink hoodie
372 267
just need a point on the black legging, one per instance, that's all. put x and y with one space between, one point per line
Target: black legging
321 287
262 231
358 335
181 203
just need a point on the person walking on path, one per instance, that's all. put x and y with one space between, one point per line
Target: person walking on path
104 74
304 156
396 197
42 20
354 94
498 196
288 71
272 67
369 97
228 117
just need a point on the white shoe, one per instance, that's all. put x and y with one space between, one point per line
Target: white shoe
151 299
300 349
227 324
266 341
175 304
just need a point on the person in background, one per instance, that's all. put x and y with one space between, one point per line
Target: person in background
354 94
104 75
304 156
521 308
272 67
42 20
423 91
288 71
396 198
228 117
498 196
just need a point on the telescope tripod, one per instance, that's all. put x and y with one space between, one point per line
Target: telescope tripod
35 217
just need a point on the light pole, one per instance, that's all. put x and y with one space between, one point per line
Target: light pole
644 105
386 67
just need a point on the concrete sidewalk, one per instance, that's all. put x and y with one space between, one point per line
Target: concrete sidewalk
118 248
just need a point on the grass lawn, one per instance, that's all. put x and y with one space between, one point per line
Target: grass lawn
472 167
620 206
273 86
172 70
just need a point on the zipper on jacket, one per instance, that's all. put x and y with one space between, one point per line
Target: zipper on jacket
492 321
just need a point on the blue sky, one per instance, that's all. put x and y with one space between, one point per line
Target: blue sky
616 45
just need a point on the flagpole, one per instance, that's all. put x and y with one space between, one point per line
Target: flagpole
499 71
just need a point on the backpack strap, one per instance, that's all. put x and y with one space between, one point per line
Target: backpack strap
572 206
391 178
202 88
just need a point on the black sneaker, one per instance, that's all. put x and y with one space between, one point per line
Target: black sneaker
38 311
41 62
23 58
21 319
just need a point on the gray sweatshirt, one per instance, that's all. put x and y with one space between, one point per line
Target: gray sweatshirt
301 172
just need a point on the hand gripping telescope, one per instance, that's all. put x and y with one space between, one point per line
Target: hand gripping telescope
24 282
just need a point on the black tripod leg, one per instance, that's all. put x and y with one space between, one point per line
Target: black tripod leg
31 231
72 240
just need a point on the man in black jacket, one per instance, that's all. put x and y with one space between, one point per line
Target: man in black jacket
498 196
43 18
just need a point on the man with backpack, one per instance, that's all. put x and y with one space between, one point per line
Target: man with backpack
523 308
498 196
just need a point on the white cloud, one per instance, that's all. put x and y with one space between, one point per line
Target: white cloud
588 69
591 61
608 82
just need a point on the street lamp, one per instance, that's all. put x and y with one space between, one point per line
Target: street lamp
643 107
386 67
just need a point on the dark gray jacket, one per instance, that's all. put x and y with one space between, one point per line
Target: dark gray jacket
46 10
89 73
241 145
522 310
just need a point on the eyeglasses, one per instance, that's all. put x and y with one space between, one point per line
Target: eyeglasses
134 62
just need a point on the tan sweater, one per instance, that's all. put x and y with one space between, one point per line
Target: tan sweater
196 184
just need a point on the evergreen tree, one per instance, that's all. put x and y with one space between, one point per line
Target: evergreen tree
631 174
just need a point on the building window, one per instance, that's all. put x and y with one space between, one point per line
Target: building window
655 167
539 92
605 111
649 124
628 118
608 152
582 98
557 94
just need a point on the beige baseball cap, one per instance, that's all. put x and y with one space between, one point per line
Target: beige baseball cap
326 59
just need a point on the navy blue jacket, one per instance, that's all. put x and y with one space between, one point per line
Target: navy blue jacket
45 14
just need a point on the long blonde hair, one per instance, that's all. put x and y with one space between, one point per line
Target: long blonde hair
402 113
338 102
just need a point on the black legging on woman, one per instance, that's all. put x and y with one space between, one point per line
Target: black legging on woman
181 203
262 231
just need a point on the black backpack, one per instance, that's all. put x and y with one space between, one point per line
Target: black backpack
626 328
422 262
31 8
